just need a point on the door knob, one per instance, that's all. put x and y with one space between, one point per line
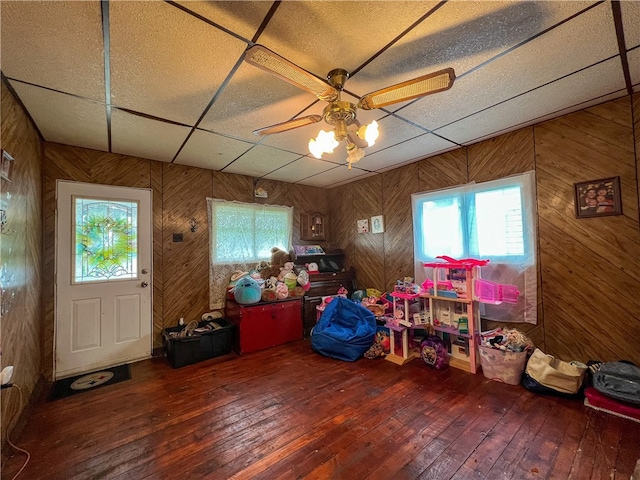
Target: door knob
144 284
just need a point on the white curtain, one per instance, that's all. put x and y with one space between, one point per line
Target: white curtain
491 220
241 235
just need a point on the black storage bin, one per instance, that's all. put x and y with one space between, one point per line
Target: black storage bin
183 351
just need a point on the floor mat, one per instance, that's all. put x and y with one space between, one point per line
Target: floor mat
88 381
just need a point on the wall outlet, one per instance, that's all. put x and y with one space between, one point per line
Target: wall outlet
178 237
6 374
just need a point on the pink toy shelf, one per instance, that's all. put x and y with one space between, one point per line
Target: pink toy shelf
452 295
485 291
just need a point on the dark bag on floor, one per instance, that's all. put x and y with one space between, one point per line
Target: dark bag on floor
618 380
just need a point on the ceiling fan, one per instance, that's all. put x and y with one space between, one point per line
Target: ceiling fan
339 114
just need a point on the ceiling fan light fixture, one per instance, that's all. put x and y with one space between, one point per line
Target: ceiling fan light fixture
325 142
370 133
355 154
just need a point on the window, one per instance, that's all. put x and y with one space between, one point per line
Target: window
492 220
106 240
242 234
246 232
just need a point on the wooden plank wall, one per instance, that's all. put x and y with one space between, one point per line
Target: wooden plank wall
590 266
21 258
180 273
588 269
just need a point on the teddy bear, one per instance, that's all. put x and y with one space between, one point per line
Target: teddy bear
278 259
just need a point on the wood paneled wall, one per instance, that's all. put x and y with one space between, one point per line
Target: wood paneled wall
180 270
21 258
588 269
590 266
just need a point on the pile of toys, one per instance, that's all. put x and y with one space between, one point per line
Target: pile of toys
269 281
506 340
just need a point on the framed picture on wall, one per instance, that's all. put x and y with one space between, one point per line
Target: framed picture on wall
598 198
5 167
377 224
363 225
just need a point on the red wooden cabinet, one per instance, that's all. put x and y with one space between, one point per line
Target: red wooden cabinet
265 325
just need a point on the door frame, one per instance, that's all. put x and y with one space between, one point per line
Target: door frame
56 269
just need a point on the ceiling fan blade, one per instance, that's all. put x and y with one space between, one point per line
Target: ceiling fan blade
288 125
418 87
273 63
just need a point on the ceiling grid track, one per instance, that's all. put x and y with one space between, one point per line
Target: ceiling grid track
225 82
104 6
617 20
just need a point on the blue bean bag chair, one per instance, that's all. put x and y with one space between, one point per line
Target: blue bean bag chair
345 330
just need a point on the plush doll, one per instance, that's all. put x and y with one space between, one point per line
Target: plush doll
285 270
282 291
303 280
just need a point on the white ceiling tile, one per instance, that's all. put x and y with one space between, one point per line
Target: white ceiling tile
145 138
42 44
336 176
460 35
242 18
631 22
349 179
527 67
577 88
209 150
321 36
165 62
300 169
392 132
254 99
556 114
63 118
406 152
260 160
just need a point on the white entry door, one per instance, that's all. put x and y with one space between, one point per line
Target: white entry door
103 276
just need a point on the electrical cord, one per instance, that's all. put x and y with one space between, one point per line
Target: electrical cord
15 447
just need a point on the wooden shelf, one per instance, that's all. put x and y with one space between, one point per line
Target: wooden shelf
312 226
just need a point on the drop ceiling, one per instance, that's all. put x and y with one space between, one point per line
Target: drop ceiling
167 81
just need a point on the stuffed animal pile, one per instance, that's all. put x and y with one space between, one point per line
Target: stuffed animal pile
278 278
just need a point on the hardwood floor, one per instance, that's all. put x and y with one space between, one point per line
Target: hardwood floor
288 413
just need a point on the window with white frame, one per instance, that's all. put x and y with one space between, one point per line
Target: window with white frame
246 232
241 235
492 220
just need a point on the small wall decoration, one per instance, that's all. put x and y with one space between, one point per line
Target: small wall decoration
598 198
377 224
363 226
5 168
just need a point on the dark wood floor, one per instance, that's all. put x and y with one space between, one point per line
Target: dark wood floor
288 413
